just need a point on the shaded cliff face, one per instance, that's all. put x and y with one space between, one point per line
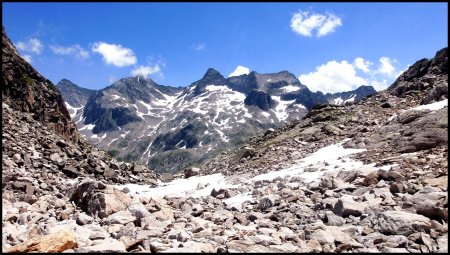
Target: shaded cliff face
424 74
26 90
78 96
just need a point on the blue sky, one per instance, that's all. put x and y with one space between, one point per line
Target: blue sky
330 46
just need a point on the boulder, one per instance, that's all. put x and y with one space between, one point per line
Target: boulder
57 242
104 246
139 211
122 217
95 198
430 202
191 171
346 206
265 203
402 223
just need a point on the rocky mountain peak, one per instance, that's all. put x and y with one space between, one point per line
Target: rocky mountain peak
211 77
78 95
26 90
425 70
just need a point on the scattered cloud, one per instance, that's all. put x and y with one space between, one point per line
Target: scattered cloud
145 71
332 77
387 67
240 70
305 23
115 54
75 50
342 76
27 58
32 45
379 85
198 46
362 64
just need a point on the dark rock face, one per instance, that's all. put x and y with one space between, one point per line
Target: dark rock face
26 90
260 99
354 95
78 95
185 137
106 119
423 69
306 97
211 77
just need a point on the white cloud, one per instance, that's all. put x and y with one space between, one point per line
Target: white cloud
386 67
303 23
27 58
75 50
199 46
343 76
379 85
32 45
362 64
145 71
331 23
115 54
240 70
332 77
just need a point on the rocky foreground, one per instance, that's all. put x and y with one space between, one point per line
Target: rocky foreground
60 196
365 209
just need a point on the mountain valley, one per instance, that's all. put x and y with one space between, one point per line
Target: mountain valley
169 129
263 166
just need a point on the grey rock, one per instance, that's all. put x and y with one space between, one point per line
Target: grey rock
121 217
347 206
403 223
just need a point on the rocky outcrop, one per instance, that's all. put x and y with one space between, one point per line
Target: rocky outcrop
423 75
97 199
24 89
260 99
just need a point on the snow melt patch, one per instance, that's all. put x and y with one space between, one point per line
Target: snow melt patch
88 127
236 201
351 99
281 109
72 110
333 155
291 88
338 101
432 107
180 187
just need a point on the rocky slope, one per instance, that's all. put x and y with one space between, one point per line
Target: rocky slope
24 89
372 196
42 151
168 129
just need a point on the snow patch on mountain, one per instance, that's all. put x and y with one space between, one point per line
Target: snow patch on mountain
73 110
335 155
291 88
281 108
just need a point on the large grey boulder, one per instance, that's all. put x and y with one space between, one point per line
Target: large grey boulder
95 198
402 223
346 206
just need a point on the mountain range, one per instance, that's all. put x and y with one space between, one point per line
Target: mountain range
171 128
369 176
